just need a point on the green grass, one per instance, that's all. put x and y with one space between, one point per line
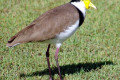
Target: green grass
92 53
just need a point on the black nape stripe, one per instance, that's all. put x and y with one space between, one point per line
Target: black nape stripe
81 17
75 0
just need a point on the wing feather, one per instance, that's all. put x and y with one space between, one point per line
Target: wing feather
48 25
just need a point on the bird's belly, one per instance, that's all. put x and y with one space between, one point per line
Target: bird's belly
64 35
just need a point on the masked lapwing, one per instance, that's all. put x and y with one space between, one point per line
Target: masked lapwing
54 27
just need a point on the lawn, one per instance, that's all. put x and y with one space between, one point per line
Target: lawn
92 53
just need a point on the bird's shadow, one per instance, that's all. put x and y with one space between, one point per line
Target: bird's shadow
70 69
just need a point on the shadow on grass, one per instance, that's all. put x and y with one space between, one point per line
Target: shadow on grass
70 69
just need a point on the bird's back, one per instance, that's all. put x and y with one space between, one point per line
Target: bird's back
47 25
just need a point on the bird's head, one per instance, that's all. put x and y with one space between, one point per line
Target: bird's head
88 4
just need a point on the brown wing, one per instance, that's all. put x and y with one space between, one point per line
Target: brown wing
47 25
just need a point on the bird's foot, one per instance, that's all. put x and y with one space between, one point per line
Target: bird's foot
51 78
61 79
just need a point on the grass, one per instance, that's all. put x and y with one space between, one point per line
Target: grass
92 53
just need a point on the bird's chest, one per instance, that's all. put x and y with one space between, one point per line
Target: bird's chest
62 36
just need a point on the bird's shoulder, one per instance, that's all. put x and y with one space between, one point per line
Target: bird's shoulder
53 22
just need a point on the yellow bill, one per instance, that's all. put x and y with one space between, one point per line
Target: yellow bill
92 5
88 4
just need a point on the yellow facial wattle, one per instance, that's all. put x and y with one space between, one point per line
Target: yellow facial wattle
88 4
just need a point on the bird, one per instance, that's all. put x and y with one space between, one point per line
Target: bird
54 27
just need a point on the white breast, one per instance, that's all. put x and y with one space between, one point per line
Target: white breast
64 35
68 32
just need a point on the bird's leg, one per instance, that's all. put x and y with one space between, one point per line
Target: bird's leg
56 59
47 56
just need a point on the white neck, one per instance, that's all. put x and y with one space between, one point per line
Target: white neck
81 6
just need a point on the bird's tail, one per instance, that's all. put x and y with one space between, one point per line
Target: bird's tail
11 42
21 37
